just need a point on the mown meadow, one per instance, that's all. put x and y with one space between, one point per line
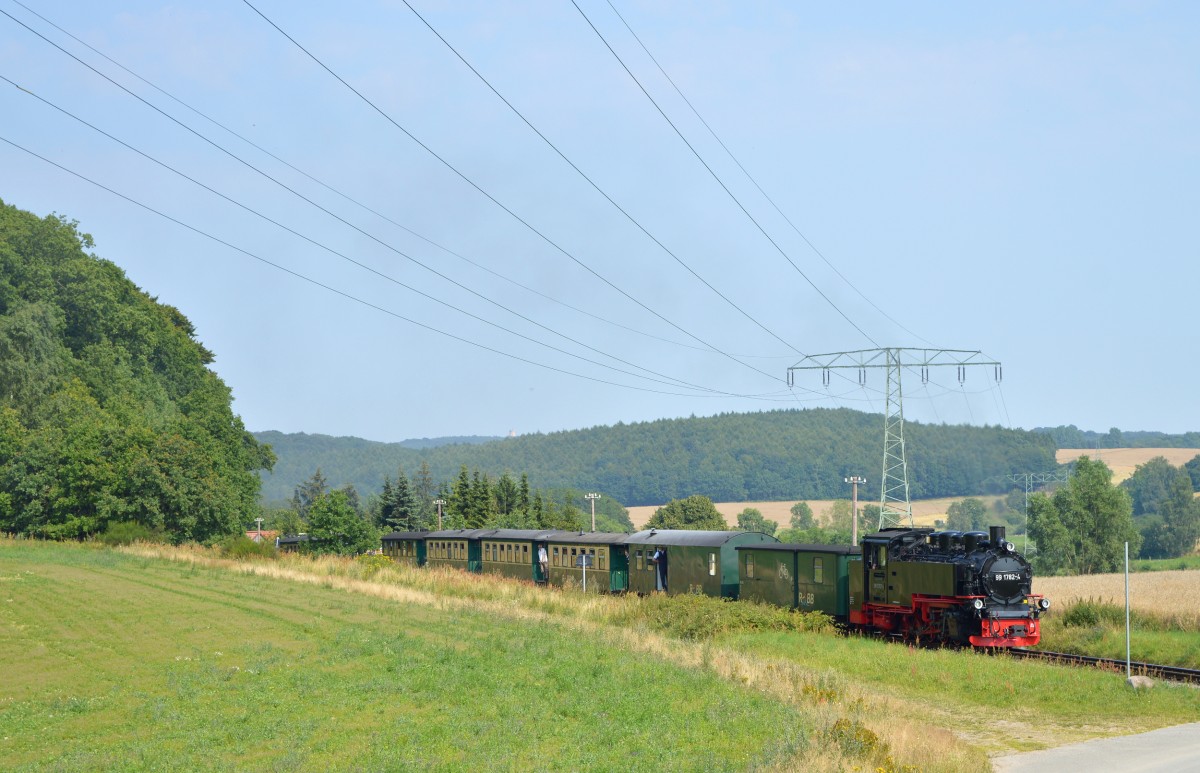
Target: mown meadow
155 657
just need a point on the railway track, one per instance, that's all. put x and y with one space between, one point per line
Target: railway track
1171 673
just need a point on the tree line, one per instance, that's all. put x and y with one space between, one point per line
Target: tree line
108 412
339 520
771 455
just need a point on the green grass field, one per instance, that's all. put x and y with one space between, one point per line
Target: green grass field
115 662
164 658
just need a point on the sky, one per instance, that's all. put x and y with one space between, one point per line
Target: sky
483 218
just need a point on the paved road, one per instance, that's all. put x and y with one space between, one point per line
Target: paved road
1175 749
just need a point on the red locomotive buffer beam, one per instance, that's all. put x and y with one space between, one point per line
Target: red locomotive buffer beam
1020 631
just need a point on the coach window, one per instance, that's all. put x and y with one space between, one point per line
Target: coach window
601 557
637 557
818 570
750 565
712 564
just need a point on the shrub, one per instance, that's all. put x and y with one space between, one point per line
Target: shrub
370 563
239 546
128 532
693 616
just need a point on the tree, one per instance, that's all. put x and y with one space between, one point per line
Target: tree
1150 485
1193 470
802 516
751 519
1083 528
335 527
695 512
307 492
1176 533
969 514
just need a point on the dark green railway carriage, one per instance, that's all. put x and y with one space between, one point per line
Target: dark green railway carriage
292 543
405 547
457 548
804 577
608 563
696 561
513 552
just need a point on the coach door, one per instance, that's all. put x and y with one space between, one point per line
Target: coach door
877 571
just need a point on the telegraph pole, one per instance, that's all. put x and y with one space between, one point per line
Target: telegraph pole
855 481
1028 479
593 497
895 508
439 503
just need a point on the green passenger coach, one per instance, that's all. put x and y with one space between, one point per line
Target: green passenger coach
457 548
803 577
604 553
513 552
405 547
689 561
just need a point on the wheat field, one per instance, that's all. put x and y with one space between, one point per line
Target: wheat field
1170 594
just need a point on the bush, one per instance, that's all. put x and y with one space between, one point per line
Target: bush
128 532
370 563
696 617
239 546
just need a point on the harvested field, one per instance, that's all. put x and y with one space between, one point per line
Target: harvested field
925 511
1123 461
1170 594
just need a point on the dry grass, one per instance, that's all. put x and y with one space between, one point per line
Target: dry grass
1123 461
1169 595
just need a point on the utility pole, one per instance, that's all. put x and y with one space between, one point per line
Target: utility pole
439 503
258 523
855 481
895 508
593 497
1028 479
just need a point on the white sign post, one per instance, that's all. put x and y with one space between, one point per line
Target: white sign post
584 560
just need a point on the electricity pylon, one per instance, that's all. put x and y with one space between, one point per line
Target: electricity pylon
895 508
1029 478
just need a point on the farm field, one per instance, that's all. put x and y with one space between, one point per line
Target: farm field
925 511
158 657
1088 615
1123 461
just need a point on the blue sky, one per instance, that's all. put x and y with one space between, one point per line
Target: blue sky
1018 179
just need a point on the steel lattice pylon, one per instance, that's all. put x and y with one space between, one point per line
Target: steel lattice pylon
895 507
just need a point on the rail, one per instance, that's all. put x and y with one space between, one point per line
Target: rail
1171 673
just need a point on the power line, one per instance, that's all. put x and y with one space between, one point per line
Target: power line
356 202
497 202
343 221
678 382
331 289
753 181
716 177
594 185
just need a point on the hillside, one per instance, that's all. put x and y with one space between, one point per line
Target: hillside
771 455
108 411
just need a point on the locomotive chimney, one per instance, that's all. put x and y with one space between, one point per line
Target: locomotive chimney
996 535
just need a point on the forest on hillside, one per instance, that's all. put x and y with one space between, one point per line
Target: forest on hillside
108 412
770 455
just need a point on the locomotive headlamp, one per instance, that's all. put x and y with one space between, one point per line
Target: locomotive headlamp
977 603
1044 603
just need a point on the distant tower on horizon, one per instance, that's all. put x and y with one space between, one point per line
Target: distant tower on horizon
512 433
